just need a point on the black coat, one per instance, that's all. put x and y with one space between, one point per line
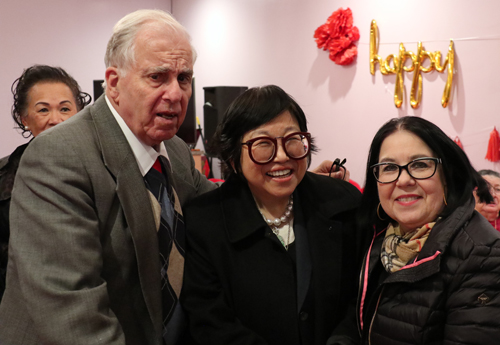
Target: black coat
449 295
8 170
242 287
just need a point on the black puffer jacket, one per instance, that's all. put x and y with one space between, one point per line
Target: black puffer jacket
449 295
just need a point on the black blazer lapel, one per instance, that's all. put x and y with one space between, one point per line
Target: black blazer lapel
304 263
238 207
324 218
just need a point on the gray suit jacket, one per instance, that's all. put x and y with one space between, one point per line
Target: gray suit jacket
83 255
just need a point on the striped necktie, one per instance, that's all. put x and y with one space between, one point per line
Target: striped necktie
171 240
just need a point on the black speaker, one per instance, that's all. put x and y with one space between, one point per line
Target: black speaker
187 131
98 89
217 100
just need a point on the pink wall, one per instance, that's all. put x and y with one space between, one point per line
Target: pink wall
258 42
69 33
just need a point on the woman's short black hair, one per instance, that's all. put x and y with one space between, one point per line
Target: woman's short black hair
254 108
38 74
460 178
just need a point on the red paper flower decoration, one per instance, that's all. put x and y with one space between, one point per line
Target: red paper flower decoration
338 36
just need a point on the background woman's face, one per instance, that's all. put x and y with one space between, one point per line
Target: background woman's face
49 103
490 211
276 180
410 202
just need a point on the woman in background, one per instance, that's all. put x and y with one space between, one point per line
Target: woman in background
490 210
272 255
43 97
432 273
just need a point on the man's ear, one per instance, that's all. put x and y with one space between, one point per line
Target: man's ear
112 90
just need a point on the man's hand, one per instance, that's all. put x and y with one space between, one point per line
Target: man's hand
324 169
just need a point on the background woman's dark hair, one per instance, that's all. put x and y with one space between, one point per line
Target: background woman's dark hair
252 109
457 172
38 74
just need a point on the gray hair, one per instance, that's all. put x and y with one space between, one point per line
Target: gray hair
487 172
120 51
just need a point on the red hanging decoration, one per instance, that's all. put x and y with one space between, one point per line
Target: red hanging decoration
458 142
493 153
337 36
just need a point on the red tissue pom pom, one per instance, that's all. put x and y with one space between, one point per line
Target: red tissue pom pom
338 36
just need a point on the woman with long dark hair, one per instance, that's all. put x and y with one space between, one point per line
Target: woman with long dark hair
432 272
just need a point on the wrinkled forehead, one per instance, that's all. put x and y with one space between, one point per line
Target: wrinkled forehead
50 89
172 38
492 180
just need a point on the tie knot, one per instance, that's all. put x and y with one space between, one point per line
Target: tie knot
157 165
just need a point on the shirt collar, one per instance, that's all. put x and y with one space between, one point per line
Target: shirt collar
145 155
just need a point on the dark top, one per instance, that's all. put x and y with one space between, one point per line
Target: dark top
449 295
8 169
242 287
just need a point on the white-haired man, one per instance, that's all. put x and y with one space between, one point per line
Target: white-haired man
96 251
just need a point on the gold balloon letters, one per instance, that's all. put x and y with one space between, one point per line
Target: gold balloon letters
398 66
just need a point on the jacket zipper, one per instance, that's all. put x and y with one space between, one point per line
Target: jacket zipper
359 313
374 314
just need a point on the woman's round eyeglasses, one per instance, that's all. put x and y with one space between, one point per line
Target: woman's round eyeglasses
263 150
419 169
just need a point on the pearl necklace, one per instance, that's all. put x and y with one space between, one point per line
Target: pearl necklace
277 222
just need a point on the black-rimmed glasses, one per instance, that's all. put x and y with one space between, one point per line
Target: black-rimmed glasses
263 150
419 169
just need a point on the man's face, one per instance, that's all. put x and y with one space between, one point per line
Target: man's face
153 95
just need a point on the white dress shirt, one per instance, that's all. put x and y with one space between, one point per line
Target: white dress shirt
144 154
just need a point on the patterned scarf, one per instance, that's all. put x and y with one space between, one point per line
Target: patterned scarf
399 249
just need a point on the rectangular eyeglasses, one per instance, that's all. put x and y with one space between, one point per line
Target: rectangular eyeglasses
419 169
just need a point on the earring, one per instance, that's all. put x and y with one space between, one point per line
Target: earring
378 212
233 167
444 199
26 128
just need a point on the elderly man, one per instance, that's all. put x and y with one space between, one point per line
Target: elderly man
96 251
86 265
